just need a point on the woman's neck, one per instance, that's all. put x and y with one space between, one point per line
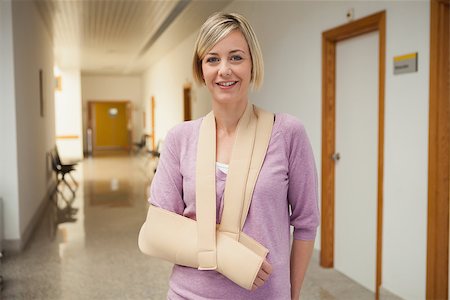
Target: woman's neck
227 117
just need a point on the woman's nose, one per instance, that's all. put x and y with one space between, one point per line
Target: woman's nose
225 69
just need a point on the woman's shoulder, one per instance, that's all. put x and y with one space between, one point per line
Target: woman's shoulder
185 128
292 131
288 124
183 133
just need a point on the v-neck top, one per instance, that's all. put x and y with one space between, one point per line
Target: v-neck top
222 167
285 194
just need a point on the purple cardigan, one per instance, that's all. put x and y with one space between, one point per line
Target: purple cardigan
288 179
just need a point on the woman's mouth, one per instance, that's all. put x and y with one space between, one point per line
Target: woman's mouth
226 84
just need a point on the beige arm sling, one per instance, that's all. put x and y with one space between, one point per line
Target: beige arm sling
202 244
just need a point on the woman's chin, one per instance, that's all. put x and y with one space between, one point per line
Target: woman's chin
229 99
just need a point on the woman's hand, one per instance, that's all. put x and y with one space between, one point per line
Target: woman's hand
263 275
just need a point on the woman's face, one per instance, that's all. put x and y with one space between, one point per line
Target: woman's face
227 69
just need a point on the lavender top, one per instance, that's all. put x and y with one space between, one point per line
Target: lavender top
288 178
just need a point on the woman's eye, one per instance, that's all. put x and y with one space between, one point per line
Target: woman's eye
212 59
236 58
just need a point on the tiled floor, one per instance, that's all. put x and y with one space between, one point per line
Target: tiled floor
92 253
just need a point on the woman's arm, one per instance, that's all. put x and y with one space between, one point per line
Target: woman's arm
301 253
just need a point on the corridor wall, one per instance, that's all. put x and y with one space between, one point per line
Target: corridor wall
9 189
290 33
29 133
165 81
68 116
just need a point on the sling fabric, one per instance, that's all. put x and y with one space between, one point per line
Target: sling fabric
205 192
174 238
252 139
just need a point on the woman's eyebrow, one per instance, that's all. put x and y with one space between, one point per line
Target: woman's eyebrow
231 52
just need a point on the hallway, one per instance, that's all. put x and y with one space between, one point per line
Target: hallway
93 253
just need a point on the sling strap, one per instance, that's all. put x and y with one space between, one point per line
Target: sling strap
252 139
205 189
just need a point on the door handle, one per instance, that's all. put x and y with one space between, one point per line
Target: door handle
336 156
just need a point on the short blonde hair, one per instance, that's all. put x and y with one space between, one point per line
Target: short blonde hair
215 28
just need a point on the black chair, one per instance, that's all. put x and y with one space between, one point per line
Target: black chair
156 153
142 143
61 171
67 166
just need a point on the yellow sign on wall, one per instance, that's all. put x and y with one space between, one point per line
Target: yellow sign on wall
406 63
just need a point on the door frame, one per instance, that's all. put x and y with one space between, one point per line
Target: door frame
187 101
91 123
152 109
374 22
438 153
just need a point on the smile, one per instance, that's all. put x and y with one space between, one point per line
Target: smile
227 84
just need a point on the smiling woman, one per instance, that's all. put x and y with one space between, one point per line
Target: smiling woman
227 70
220 200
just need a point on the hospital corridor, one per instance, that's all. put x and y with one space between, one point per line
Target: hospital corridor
90 94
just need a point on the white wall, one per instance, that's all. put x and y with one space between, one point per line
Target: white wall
31 136
290 35
68 118
114 88
165 81
9 189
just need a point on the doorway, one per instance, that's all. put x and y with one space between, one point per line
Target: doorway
110 125
331 186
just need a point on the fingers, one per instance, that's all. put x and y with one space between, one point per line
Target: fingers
259 282
263 275
266 267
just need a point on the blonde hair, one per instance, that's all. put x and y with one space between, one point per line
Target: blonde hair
215 28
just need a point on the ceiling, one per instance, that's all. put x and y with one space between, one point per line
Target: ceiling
120 36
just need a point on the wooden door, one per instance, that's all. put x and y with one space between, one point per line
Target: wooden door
110 124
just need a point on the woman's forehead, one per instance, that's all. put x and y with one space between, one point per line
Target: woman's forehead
232 42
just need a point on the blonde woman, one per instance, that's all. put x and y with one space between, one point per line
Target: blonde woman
228 60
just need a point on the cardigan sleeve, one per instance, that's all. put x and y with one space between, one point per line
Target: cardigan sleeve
166 190
302 190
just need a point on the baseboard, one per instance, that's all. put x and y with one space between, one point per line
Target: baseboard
17 245
386 294
12 245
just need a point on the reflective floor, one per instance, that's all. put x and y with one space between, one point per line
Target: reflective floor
86 247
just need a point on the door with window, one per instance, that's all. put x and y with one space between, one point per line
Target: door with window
110 124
